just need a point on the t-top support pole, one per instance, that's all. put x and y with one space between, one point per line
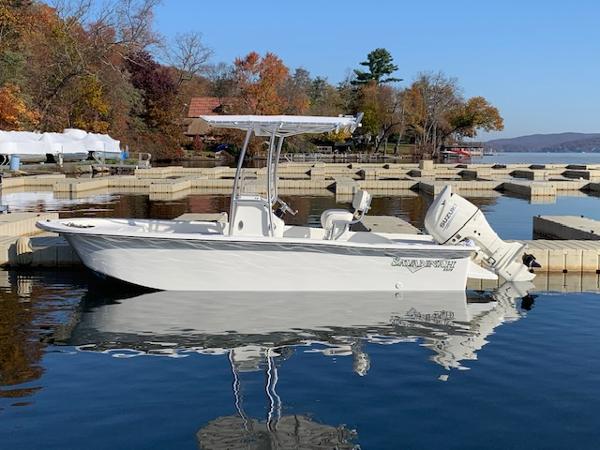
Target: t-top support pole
270 199
236 181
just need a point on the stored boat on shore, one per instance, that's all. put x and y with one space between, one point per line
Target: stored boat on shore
256 251
70 145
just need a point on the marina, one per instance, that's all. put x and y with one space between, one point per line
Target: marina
242 226
23 245
544 183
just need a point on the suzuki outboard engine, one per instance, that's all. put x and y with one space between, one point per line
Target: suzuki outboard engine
453 220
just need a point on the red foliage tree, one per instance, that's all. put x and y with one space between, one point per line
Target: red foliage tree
260 81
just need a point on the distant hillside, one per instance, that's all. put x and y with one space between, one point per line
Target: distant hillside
558 142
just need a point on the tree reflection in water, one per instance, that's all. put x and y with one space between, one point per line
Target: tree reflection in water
30 312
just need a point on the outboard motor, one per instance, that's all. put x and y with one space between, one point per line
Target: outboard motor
453 220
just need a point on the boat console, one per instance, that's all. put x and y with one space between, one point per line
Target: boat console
251 218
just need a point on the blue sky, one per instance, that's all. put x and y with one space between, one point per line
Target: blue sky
538 61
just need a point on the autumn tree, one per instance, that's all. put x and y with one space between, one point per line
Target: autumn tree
92 65
158 111
11 20
473 115
156 86
14 112
380 64
369 92
435 113
381 106
90 108
16 109
260 81
76 42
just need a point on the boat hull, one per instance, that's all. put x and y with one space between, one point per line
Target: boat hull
207 265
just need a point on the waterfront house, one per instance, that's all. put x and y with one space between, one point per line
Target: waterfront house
196 129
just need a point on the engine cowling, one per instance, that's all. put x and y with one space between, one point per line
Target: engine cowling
451 219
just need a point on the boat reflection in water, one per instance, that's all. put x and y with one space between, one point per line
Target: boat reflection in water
258 331
250 325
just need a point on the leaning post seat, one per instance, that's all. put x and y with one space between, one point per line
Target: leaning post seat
336 222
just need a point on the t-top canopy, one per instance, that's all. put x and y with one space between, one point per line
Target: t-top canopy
285 125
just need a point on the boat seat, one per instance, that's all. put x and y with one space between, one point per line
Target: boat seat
336 222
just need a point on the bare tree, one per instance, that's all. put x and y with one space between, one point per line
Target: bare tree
133 22
124 24
392 115
429 100
222 78
73 10
189 56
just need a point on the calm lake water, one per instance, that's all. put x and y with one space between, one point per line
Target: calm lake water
84 367
511 217
89 364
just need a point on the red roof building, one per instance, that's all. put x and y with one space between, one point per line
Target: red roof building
205 106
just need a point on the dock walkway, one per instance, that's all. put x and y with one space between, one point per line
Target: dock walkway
164 183
566 227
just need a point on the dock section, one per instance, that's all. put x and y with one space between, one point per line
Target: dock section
535 182
22 244
386 224
566 227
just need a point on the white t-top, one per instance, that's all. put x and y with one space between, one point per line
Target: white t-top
284 125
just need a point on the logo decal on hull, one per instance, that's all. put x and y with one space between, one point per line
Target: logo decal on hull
441 317
414 265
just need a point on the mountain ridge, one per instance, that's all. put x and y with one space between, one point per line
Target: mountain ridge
551 142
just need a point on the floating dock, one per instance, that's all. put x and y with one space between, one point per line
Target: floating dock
535 182
566 227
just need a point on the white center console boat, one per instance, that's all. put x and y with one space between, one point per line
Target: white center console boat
257 251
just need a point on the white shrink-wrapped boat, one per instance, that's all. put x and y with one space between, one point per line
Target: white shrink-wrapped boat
71 144
257 251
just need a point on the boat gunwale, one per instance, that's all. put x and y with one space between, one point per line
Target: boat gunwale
58 226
